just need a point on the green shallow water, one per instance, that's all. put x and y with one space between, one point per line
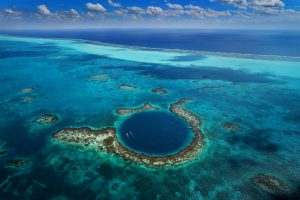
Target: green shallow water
260 95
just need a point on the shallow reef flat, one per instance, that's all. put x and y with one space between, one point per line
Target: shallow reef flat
127 111
106 140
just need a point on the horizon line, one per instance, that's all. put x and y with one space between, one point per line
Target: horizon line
148 28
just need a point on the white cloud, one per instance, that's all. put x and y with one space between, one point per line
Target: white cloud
11 13
174 6
43 10
125 14
175 12
251 3
262 11
188 11
152 10
95 7
136 10
238 3
120 13
90 14
44 13
214 13
199 12
74 13
267 3
70 14
114 4
192 7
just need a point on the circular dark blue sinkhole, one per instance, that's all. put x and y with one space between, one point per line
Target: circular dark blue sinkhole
155 133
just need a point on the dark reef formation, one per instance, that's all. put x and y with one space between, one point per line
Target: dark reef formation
159 91
3 149
271 184
18 163
47 119
127 111
3 152
230 126
116 186
106 140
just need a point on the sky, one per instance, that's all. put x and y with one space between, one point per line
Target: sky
217 14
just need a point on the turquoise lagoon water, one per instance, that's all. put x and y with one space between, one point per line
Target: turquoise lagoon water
259 93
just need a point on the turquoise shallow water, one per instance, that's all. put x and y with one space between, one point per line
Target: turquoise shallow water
260 94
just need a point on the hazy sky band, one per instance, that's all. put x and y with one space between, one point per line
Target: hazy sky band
159 13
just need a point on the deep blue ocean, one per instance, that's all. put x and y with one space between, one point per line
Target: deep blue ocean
259 94
263 42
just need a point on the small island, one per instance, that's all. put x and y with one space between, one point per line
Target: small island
106 140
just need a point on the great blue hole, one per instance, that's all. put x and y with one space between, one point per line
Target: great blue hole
155 133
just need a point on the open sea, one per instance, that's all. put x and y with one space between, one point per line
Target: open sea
248 78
